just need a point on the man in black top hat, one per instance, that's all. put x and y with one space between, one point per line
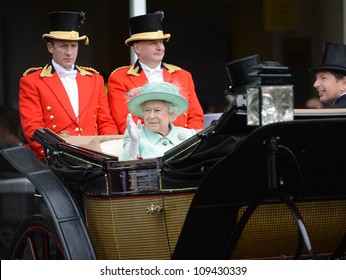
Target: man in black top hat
331 75
238 73
66 98
147 39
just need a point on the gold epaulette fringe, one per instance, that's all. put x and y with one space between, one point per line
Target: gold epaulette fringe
171 68
30 70
121 67
87 70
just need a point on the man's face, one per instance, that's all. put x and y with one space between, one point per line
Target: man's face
150 52
63 52
329 88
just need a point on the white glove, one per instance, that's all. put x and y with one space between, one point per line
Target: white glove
135 132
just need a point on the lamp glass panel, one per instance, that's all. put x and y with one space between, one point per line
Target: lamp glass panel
277 104
252 106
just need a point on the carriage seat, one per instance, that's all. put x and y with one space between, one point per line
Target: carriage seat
107 144
209 118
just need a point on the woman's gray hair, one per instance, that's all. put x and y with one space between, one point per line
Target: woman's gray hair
174 110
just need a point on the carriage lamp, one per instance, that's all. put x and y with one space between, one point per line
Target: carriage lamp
270 99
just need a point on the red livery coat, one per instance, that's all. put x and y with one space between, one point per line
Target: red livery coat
44 103
123 79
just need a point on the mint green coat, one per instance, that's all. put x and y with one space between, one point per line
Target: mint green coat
153 144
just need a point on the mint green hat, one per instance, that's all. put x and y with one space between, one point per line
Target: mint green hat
156 91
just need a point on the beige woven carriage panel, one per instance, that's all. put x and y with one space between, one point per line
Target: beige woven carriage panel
101 228
325 222
271 231
176 207
122 228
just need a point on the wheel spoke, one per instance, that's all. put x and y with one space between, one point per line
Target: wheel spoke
37 239
31 247
46 247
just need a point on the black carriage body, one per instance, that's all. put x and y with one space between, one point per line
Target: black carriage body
209 197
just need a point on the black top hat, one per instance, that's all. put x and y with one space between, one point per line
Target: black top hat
238 73
147 27
65 26
333 58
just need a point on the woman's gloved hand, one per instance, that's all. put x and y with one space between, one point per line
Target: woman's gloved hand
135 132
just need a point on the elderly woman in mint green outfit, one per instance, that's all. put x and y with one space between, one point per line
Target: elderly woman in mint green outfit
158 104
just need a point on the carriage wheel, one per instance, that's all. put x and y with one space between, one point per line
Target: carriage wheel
37 239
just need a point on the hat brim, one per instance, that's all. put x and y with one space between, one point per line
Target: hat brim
236 90
135 104
66 36
146 36
328 68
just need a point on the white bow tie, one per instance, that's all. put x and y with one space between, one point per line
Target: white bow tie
63 73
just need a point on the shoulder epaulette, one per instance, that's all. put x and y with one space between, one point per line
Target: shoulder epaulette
86 70
121 67
171 68
30 70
